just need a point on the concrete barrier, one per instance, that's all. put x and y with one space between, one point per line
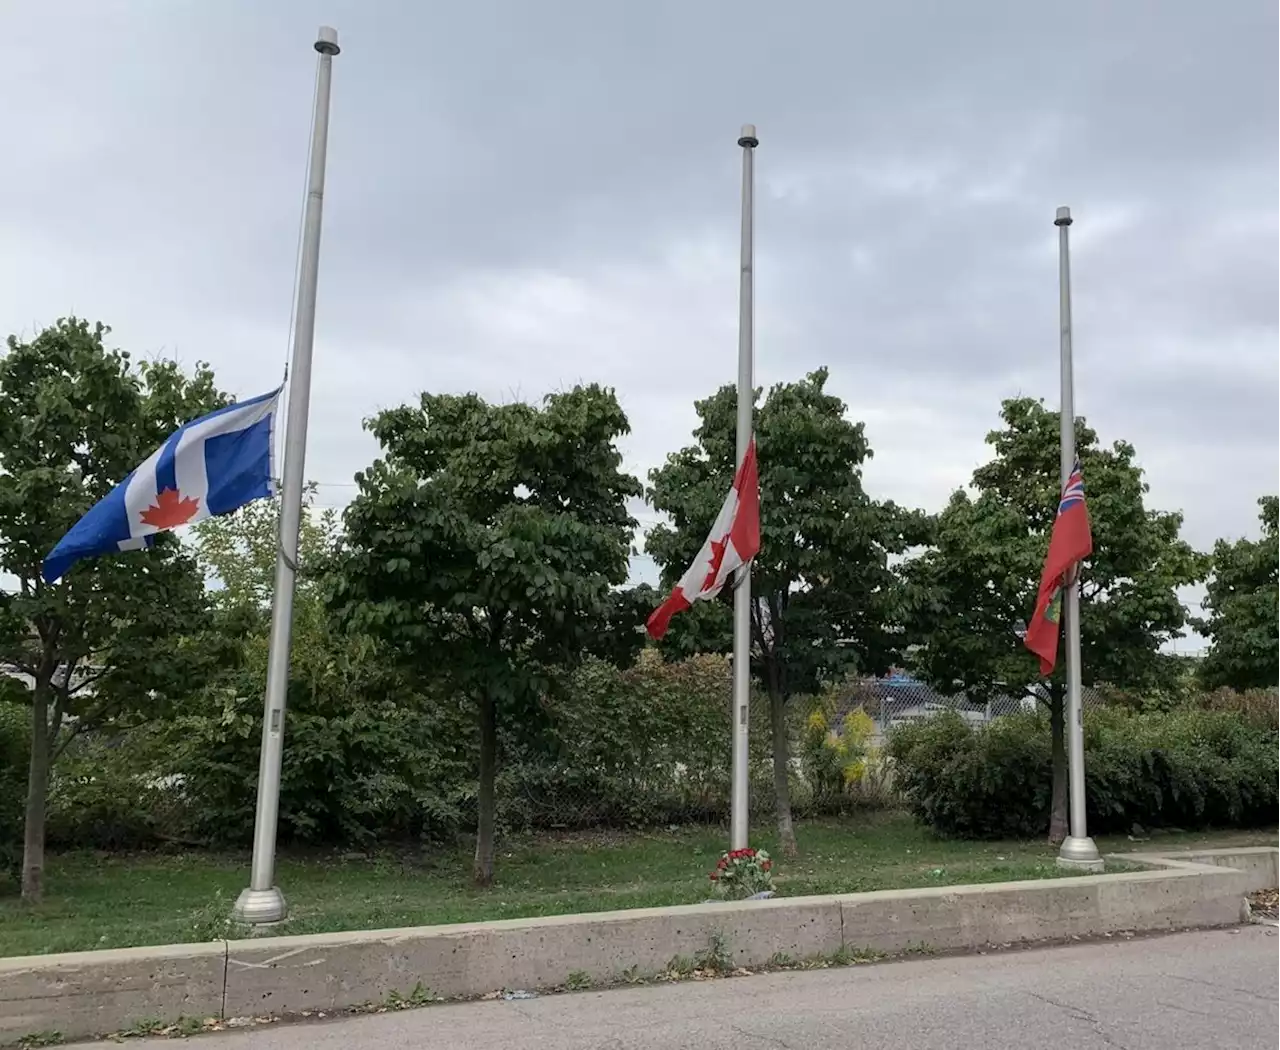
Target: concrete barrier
92 993
1177 896
330 971
1260 863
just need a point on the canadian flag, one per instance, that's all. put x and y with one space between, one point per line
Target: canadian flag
734 541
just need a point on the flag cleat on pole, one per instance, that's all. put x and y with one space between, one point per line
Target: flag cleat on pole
207 467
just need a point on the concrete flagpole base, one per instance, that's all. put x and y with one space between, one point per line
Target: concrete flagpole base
260 907
1080 854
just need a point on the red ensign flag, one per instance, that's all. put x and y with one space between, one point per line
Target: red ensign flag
1070 543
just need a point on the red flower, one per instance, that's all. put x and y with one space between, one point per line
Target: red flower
714 876
766 865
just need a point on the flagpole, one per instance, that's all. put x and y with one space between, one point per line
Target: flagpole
262 901
1078 849
740 810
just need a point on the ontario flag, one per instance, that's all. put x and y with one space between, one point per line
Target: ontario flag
1070 543
209 466
734 541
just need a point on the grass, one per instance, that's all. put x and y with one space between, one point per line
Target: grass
97 900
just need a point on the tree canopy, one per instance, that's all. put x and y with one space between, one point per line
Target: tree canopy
824 594
483 547
106 639
973 589
1242 602
238 551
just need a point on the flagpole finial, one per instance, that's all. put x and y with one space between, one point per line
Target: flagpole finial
1063 218
748 138
327 41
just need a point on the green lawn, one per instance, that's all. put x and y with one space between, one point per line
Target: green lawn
97 900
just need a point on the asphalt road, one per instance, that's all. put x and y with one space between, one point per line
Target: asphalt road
1195 990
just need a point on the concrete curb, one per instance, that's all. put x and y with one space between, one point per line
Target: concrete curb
90 993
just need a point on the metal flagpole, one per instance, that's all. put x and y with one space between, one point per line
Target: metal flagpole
263 902
1078 849
740 820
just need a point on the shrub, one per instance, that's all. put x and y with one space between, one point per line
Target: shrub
840 765
1185 768
367 756
637 747
15 736
110 790
1257 707
994 782
1188 768
354 772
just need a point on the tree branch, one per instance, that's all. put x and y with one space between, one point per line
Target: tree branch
73 731
87 681
19 664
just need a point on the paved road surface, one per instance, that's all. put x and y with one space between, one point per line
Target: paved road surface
1193 990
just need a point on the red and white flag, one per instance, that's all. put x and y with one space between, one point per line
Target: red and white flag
1069 544
734 541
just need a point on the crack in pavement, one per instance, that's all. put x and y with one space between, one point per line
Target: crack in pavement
1219 987
1184 1009
1078 1013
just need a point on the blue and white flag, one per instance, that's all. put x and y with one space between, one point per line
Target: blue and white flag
209 466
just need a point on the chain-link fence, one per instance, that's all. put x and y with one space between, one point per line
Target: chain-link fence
898 699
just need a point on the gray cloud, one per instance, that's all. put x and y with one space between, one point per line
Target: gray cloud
521 196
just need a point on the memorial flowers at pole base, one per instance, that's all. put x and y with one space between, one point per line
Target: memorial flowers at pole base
743 873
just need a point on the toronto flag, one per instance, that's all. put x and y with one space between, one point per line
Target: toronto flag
209 466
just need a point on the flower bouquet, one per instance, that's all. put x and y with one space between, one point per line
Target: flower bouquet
743 873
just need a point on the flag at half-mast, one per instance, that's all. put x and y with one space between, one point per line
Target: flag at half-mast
734 541
209 466
1070 543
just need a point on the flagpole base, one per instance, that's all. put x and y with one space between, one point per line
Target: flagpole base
260 907
1080 854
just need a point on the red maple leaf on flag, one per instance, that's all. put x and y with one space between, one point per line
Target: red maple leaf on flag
170 509
717 556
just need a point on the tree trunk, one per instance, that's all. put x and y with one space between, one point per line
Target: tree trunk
781 772
485 797
1057 733
37 798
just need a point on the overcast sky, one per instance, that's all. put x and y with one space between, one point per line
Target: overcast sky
522 196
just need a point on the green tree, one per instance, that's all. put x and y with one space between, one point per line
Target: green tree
483 546
112 639
1242 603
974 588
238 550
823 593
369 752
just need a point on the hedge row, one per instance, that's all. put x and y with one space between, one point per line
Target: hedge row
1190 768
368 759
